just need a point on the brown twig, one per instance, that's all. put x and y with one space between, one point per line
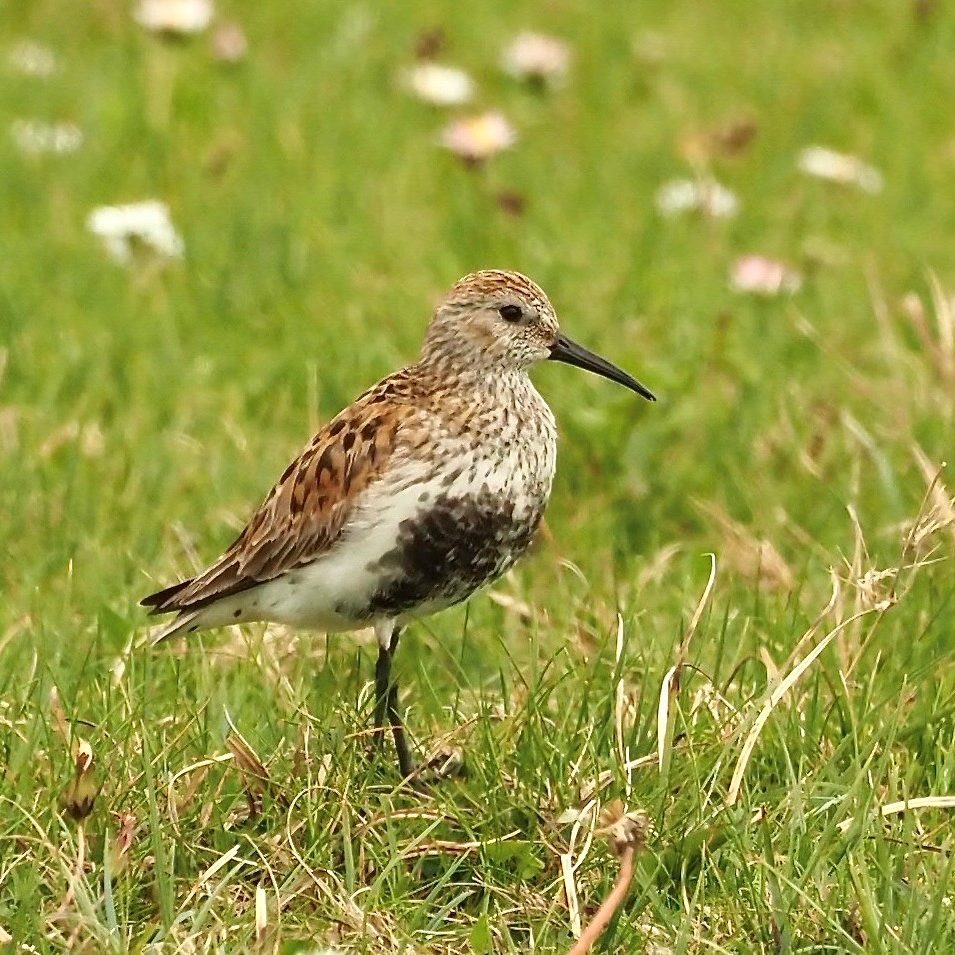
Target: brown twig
626 832
609 905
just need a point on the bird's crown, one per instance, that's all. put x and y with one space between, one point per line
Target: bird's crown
492 319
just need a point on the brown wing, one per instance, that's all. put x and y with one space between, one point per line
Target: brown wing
305 512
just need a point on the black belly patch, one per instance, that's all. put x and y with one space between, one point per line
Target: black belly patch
449 550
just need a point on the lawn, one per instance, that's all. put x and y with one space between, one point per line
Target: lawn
739 618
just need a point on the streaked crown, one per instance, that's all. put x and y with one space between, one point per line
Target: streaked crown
492 319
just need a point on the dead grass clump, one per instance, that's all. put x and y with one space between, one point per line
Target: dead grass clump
754 558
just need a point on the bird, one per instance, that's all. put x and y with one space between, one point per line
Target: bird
428 487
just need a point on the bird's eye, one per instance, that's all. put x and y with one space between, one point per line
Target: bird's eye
511 313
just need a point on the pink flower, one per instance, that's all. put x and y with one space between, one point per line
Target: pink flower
758 275
229 43
537 56
476 138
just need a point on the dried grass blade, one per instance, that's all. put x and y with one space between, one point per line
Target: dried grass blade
903 805
791 679
671 681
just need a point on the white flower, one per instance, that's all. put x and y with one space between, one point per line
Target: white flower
174 16
825 163
690 195
32 59
146 223
479 137
440 85
33 136
758 275
537 56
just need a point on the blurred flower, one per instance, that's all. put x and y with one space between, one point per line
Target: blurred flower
698 147
691 195
479 137
32 59
651 48
440 85
229 43
430 43
145 223
735 136
33 136
513 203
537 56
824 163
174 16
758 275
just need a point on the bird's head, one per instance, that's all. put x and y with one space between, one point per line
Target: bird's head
502 320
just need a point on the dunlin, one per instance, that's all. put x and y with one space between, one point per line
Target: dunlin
427 487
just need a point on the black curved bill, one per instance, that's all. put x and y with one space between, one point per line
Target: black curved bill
570 353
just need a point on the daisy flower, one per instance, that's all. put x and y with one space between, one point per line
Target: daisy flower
824 163
174 16
146 224
708 197
33 137
32 59
440 85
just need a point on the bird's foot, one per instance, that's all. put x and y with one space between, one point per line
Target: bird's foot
445 762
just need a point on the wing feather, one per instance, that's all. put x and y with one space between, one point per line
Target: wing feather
306 511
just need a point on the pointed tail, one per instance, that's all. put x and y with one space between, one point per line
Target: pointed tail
184 622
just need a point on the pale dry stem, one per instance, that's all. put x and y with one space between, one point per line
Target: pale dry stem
671 681
778 693
904 805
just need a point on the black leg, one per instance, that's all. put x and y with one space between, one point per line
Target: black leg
386 704
405 762
382 692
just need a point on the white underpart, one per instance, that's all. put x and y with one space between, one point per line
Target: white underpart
311 597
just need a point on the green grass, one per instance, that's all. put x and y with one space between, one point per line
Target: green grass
144 412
